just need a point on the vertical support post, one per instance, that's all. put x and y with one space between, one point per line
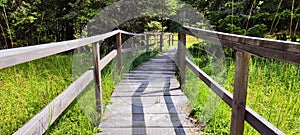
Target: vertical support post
172 40
161 41
119 50
169 41
181 54
240 93
97 77
147 43
155 38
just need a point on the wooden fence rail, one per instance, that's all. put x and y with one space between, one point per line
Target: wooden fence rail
279 50
41 121
254 119
245 46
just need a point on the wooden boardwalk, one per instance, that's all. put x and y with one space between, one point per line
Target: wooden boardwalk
148 101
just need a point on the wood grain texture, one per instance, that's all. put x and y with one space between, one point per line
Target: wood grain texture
240 93
274 49
147 102
161 43
172 40
169 39
11 57
119 50
15 56
147 43
108 58
97 78
181 57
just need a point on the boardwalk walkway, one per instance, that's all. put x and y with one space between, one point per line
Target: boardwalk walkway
148 101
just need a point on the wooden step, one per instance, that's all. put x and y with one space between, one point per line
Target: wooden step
151 131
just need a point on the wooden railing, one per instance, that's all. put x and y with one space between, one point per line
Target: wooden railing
279 50
245 46
46 117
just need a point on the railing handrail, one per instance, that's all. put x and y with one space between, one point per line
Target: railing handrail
253 118
245 46
274 49
39 123
15 56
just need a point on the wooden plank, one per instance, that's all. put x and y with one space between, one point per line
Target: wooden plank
217 88
179 100
274 49
152 81
172 40
108 58
97 76
142 101
161 42
147 43
132 34
119 50
260 124
151 72
11 57
175 92
128 75
240 93
263 42
135 86
257 121
151 131
165 64
148 78
169 39
161 61
181 54
157 68
119 109
163 120
42 121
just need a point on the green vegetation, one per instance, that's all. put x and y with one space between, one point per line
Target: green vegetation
273 93
27 88
252 17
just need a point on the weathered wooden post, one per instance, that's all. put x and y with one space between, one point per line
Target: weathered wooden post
119 50
181 57
161 41
172 40
97 77
147 43
240 93
155 39
169 41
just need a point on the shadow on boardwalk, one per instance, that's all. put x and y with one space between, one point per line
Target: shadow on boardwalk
149 101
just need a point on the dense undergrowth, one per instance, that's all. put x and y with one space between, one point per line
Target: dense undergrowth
273 92
27 88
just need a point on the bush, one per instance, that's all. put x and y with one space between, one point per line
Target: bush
258 30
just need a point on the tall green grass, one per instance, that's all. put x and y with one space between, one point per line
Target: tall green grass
27 88
273 93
